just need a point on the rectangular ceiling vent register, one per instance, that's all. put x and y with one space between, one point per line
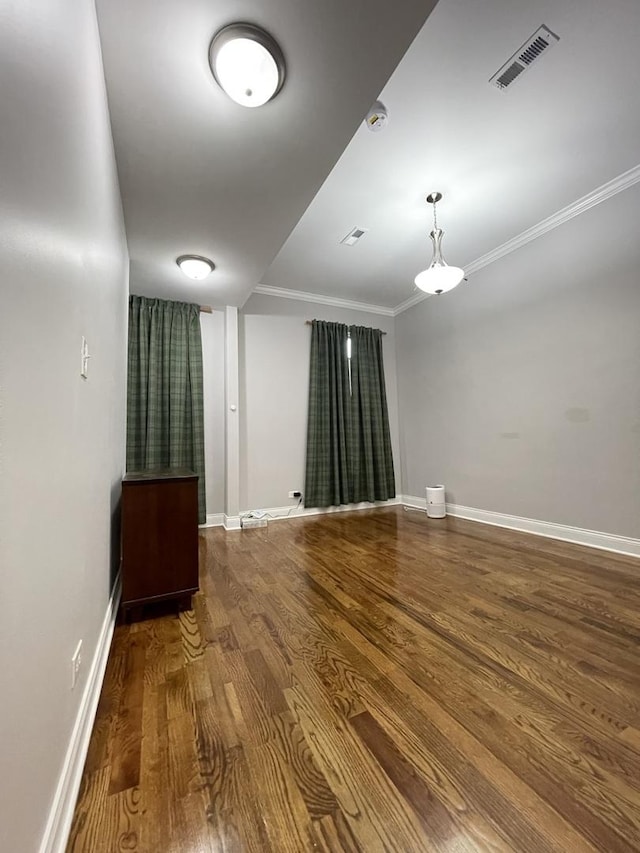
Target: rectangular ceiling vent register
353 236
524 57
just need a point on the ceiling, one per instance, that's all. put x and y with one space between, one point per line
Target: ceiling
200 174
269 193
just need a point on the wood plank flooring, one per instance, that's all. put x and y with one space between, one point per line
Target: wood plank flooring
376 681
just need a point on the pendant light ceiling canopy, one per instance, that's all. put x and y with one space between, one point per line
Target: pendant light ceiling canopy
195 266
247 63
438 277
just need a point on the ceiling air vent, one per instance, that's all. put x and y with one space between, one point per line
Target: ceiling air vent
353 236
524 57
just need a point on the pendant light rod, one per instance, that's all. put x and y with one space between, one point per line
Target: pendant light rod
434 198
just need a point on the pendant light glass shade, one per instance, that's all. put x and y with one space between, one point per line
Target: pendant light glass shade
438 277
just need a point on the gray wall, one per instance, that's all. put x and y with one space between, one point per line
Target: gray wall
63 263
274 385
212 327
520 390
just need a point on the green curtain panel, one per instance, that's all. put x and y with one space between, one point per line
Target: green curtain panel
165 409
327 470
349 457
370 454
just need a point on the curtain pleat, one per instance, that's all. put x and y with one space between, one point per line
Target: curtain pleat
349 457
372 474
165 399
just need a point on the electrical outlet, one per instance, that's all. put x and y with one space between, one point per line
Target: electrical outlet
295 494
76 663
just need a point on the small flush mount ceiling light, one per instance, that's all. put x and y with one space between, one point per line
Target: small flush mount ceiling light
195 266
247 63
438 276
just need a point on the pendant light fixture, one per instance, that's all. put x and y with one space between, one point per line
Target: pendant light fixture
195 266
247 63
438 277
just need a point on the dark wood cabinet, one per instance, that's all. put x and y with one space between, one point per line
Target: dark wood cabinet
159 537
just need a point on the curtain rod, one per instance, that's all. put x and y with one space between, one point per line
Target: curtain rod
310 323
206 309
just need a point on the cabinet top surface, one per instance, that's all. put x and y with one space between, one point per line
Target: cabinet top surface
159 474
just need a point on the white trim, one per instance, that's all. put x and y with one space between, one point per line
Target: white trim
411 500
602 193
420 296
56 833
231 522
622 182
336 301
566 533
214 519
278 513
586 202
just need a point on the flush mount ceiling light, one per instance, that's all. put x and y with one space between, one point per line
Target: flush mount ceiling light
438 276
247 63
195 266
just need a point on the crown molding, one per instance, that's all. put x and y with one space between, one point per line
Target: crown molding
602 193
318 298
608 190
619 184
410 302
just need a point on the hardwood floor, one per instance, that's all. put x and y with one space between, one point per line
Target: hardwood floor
376 681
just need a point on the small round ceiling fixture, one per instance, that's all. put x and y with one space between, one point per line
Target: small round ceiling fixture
247 63
195 266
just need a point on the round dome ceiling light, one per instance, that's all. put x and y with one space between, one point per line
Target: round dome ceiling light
247 63
195 266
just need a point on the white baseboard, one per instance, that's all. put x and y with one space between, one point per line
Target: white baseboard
564 532
277 513
58 826
214 519
412 501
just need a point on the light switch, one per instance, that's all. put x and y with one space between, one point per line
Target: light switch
84 371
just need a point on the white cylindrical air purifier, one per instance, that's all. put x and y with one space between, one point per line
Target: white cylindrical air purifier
436 507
